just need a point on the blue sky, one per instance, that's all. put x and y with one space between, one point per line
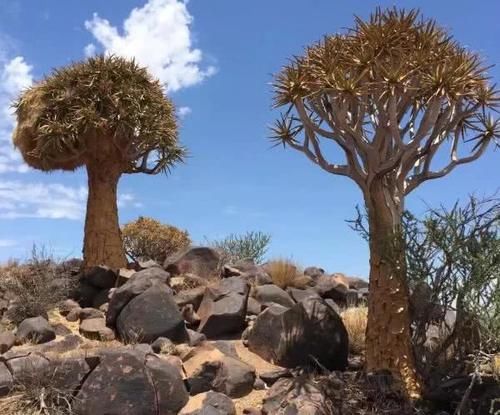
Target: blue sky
219 57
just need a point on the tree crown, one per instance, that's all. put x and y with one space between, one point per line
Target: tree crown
389 92
103 107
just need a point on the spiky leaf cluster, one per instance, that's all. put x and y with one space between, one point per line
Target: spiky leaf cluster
79 108
393 84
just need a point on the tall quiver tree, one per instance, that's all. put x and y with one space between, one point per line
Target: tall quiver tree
110 116
397 96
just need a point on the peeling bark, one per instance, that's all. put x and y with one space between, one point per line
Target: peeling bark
388 339
102 243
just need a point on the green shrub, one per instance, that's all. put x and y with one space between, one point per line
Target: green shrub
251 245
147 238
453 265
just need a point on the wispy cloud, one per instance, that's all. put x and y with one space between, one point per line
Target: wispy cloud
7 243
49 201
158 36
183 112
15 75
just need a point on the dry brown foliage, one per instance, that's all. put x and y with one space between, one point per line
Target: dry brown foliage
35 286
355 320
285 273
149 238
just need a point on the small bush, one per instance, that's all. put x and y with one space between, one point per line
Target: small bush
151 239
251 245
38 392
355 320
284 273
35 286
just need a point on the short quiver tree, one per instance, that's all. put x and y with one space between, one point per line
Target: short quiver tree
402 102
106 114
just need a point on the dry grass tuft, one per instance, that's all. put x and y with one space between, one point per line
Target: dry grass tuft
355 320
38 393
283 272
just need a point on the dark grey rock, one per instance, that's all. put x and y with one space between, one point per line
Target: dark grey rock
7 340
223 308
96 329
190 296
268 294
66 306
227 375
202 261
195 338
253 306
128 383
36 330
89 312
297 336
6 380
150 315
100 277
136 285
271 377
300 295
314 272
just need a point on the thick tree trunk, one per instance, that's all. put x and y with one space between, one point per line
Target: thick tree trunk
388 337
102 243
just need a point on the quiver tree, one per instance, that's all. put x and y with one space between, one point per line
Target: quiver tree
403 103
110 116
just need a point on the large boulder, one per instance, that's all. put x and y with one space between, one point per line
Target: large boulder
209 368
272 294
136 285
130 383
307 332
223 308
202 261
330 287
100 277
35 330
28 366
150 315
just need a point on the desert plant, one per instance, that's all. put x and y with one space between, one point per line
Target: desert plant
455 254
453 258
284 273
109 115
355 320
148 238
389 94
251 245
35 286
39 392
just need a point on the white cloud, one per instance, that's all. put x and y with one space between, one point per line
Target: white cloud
15 75
89 50
183 112
7 243
157 36
49 201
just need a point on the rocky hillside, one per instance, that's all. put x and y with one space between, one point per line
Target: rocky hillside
194 336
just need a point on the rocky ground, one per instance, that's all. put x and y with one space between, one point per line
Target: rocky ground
175 339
